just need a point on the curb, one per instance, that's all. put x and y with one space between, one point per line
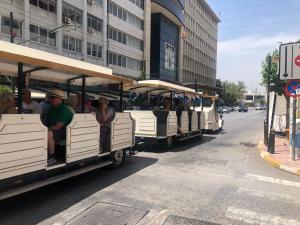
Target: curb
268 158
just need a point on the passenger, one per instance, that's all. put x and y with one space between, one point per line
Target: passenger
168 108
7 104
72 103
45 108
30 106
78 108
59 117
180 108
104 116
167 104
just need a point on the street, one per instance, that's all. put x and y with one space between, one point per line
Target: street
220 179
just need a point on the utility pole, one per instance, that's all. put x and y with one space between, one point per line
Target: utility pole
11 15
268 94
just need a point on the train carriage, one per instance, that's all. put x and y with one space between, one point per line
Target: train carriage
23 137
212 120
159 125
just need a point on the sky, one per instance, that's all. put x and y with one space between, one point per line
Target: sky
248 31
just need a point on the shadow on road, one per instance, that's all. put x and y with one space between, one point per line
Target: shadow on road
53 199
177 147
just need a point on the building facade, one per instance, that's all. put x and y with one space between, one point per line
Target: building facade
133 37
200 46
104 32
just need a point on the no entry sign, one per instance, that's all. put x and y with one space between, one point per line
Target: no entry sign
292 88
297 60
289 64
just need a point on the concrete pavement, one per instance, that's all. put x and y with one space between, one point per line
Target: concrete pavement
281 159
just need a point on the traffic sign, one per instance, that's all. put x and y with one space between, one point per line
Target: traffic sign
289 65
297 60
292 88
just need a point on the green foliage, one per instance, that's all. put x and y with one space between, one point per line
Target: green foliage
274 76
5 89
234 92
142 75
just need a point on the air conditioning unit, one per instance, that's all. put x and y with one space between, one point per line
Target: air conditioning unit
66 20
91 2
91 29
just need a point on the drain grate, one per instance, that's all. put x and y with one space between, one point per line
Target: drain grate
178 220
109 214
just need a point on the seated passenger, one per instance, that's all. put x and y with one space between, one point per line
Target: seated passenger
29 105
78 108
45 108
72 102
104 116
58 118
7 104
167 104
180 108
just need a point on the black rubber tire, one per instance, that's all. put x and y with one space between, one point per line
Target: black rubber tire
118 158
169 142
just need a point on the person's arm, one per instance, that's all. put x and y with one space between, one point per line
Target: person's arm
57 126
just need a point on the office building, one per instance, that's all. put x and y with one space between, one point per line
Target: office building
200 46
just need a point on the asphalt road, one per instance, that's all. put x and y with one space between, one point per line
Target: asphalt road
220 179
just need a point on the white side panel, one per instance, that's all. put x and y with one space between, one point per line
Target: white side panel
122 131
202 120
83 137
194 121
145 123
23 144
184 122
172 124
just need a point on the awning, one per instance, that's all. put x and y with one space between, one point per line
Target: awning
52 67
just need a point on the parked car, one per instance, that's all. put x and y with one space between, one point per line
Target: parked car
243 109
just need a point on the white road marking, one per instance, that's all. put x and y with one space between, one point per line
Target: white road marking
269 195
272 180
258 218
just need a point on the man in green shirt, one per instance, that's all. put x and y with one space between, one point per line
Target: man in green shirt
59 117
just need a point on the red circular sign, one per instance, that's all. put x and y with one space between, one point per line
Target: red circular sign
297 60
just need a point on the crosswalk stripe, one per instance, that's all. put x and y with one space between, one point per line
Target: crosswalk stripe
252 217
269 195
272 180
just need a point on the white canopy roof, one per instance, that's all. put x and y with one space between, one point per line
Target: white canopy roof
54 68
157 86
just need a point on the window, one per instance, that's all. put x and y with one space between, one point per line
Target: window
122 14
5 26
123 61
95 23
72 44
124 38
44 36
94 50
139 3
89 49
34 32
48 5
73 13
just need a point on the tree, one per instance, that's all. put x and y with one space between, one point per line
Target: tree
275 80
234 92
142 75
5 89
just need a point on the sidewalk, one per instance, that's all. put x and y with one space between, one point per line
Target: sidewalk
281 159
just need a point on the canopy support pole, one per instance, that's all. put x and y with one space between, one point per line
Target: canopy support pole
83 92
121 97
172 101
21 85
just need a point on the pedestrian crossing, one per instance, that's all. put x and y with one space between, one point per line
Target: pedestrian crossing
239 213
